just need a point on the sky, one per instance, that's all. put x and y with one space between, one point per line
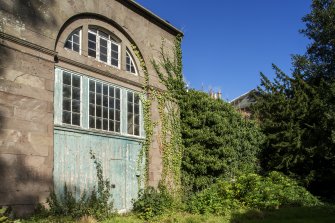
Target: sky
227 43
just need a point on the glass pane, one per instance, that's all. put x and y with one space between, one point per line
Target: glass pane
115 62
92 98
98 111
103 44
66 91
92 122
91 53
67 104
111 114
66 78
92 109
136 130
76 93
92 30
76 106
111 102
98 123
103 57
111 91
115 56
105 124
117 104
127 67
75 119
111 125
75 81
115 47
105 91
105 112
137 119
130 97
66 117
92 86
98 99
92 37
98 86
136 99
130 129
103 34
130 119
91 45
117 92
75 38
117 115
68 45
130 107
117 126
136 109
127 59
105 101
76 47
132 70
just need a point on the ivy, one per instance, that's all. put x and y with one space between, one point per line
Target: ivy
169 71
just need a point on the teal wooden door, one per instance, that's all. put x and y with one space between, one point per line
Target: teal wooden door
117 148
74 167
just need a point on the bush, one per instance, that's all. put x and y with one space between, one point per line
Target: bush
152 202
97 203
252 191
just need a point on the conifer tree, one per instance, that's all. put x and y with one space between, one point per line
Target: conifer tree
297 112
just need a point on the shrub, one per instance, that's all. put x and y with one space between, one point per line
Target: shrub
251 191
97 203
152 202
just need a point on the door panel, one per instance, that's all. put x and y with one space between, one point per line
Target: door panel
73 165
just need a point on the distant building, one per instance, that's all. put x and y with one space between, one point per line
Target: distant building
242 103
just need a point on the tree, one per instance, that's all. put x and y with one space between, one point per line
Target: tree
297 112
219 142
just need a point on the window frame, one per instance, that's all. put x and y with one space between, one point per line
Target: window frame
133 114
71 99
71 36
132 63
110 42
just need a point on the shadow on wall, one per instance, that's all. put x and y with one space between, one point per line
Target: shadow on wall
33 12
21 186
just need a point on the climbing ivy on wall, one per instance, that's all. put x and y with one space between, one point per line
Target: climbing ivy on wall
169 71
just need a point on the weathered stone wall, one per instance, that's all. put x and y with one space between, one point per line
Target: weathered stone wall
30 31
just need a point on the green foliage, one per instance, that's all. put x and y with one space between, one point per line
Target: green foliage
98 203
152 202
4 215
219 142
251 191
169 71
297 112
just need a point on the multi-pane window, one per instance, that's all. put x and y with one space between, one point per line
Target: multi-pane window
133 113
71 99
130 65
73 42
102 47
104 106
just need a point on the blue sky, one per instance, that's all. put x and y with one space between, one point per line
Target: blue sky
228 43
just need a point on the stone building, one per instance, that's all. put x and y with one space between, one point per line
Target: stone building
70 83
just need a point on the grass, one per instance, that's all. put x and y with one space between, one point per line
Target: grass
323 214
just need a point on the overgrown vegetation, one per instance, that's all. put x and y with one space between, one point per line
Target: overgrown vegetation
251 191
97 203
297 112
219 142
153 202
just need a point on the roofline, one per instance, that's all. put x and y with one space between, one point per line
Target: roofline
241 96
158 20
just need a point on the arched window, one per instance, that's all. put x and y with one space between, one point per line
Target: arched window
73 42
103 47
130 64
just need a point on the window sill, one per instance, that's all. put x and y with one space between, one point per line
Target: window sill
76 129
